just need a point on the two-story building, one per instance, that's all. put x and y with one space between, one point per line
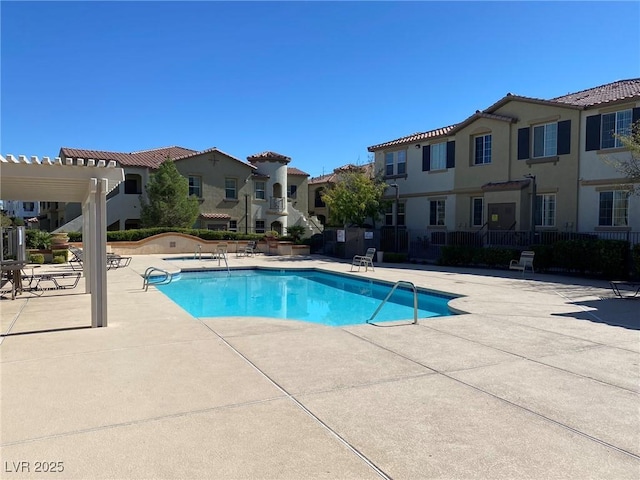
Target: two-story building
261 194
521 165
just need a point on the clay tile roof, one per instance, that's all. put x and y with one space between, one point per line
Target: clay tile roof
416 137
145 158
610 92
268 156
296 171
215 216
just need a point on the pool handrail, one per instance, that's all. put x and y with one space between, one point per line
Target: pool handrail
147 275
415 300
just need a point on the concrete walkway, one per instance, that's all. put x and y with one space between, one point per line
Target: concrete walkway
540 379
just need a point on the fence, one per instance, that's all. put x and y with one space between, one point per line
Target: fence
426 244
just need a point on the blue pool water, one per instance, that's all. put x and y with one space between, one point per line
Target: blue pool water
306 295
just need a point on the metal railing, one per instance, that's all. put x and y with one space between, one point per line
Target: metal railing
162 279
395 286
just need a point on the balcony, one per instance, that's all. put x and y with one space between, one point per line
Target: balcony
277 204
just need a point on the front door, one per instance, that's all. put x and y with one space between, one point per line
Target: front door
502 216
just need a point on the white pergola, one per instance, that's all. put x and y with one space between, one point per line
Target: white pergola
84 182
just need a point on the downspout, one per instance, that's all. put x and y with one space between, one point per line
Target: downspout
246 213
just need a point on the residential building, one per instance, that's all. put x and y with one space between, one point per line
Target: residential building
607 112
521 165
255 196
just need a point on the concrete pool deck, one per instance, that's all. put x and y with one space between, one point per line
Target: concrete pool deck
540 379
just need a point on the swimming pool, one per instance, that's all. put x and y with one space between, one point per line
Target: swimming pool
306 295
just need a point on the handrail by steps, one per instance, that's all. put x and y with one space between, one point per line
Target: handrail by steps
415 300
147 275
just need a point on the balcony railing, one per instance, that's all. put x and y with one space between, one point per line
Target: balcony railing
277 204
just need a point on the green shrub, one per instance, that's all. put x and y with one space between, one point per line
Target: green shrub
635 260
392 257
59 259
75 236
61 253
36 258
142 233
38 239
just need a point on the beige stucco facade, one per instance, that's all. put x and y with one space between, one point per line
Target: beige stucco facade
233 195
598 174
504 180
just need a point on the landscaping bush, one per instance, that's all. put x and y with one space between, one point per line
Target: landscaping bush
38 239
142 233
543 260
453 255
635 258
61 253
75 236
495 256
36 258
392 257
59 259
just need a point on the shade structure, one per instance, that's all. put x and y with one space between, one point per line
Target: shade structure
86 182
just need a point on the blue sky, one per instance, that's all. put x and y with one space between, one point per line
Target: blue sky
317 81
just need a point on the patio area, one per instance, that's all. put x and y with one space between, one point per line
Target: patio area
540 379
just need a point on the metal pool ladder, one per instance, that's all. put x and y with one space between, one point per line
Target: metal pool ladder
415 300
166 278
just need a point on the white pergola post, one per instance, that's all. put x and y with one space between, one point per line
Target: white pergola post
86 262
95 251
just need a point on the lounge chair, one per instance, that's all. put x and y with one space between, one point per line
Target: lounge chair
113 260
526 261
365 260
628 288
250 249
39 283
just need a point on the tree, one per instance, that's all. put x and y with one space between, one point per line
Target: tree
169 202
630 168
355 197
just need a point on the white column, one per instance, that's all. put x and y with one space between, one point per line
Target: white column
99 265
86 221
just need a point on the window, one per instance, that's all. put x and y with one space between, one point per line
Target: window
614 209
233 225
388 160
259 190
545 215
132 184
477 211
260 226
615 124
292 190
402 162
388 214
318 202
438 156
28 206
395 163
483 150
436 212
545 140
230 188
400 214
195 186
